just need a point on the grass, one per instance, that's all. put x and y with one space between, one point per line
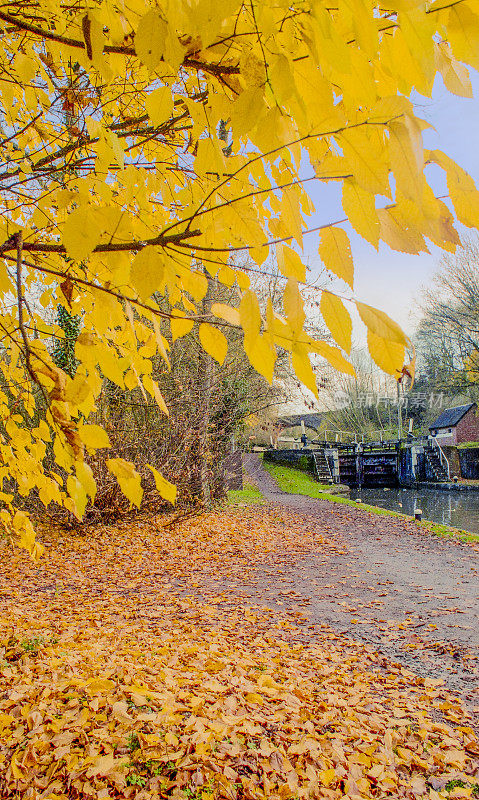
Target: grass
246 496
295 481
467 445
443 530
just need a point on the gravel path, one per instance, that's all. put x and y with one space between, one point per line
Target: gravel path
412 595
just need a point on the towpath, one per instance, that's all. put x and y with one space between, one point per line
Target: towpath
410 594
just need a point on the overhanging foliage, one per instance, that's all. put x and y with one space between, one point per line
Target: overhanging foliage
145 146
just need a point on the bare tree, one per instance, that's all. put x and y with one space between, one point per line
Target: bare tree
365 404
208 407
448 335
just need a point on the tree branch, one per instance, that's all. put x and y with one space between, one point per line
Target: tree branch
18 240
86 140
111 247
123 297
194 63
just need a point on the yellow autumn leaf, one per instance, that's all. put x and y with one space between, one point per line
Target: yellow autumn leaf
128 478
254 697
77 390
148 271
407 159
242 279
152 387
400 233
333 355
180 326
104 765
159 105
93 436
16 767
246 111
250 314
226 275
261 354
150 39
463 33
462 189
99 686
381 324
291 213
294 307
337 318
24 530
195 282
289 262
213 341
327 776
25 67
78 494
455 75
335 252
302 367
227 313
366 159
365 26
388 355
5 720
84 474
81 232
166 489
359 206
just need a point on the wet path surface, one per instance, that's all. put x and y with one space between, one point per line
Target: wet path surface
412 595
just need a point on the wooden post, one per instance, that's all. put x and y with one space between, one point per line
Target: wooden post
205 366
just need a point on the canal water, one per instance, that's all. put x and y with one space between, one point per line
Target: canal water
454 508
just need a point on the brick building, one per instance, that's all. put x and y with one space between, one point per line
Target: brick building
456 425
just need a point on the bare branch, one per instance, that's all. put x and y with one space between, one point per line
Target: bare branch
193 63
111 247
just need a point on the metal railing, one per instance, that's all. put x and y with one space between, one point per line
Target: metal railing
353 437
338 436
442 456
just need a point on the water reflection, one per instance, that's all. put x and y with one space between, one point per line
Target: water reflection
458 509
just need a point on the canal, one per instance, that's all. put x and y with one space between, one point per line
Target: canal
454 508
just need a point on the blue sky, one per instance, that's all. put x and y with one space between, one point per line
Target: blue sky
386 279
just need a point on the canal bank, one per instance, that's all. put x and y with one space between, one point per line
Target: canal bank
452 508
402 477
286 479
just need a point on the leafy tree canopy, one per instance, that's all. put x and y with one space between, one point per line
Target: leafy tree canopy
148 146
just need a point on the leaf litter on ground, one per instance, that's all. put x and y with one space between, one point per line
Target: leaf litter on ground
132 665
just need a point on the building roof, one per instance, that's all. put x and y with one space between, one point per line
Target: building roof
451 416
312 421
